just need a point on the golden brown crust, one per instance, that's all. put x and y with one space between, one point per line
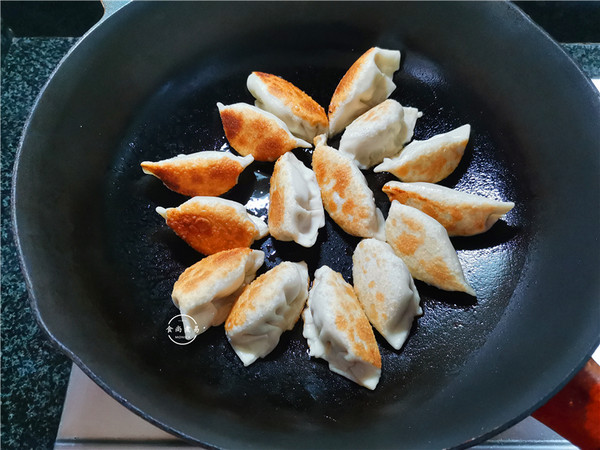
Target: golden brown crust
276 200
345 85
211 177
411 244
432 167
251 133
335 171
252 295
353 323
448 215
439 271
209 269
237 315
408 242
211 229
297 100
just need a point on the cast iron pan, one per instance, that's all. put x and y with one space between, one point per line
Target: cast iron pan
100 263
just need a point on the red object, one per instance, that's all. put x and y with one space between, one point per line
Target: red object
574 412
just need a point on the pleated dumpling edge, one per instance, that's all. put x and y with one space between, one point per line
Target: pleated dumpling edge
368 82
295 208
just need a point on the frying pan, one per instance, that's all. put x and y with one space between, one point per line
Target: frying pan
143 84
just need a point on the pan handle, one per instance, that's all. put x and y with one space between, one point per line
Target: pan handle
574 412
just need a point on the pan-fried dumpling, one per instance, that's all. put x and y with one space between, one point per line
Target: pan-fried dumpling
295 207
345 193
378 133
270 305
462 214
212 224
385 289
338 330
409 122
207 290
252 131
202 173
304 117
431 160
424 246
367 83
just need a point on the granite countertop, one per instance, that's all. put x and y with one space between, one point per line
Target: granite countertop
34 373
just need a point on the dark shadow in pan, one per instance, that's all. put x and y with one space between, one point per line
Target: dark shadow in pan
454 299
499 234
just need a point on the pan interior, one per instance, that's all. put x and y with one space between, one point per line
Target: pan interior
294 391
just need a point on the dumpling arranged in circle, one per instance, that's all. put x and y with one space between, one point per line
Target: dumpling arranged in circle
295 207
367 83
385 289
338 330
304 117
212 224
201 173
431 160
269 305
379 133
252 131
460 213
345 192
207 290
424 246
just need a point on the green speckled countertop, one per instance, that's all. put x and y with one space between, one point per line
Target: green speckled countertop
34 373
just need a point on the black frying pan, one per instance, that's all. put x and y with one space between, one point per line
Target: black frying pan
100 263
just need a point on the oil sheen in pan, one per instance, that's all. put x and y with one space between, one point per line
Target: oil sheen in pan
181 117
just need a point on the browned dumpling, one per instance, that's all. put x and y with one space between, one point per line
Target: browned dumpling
431 160
304 117
460 213
385 289
424 246
201 173
379 133
270 305
367 83
212 224
345 192
338 330
207 290
252 131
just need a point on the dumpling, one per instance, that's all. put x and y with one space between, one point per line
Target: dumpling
295 207
424 246
304 117
338 330
409 122
270 305
252 131
378 133
367 83
202 173
462 214
345 193
212 224
207 290
385 289
431 160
